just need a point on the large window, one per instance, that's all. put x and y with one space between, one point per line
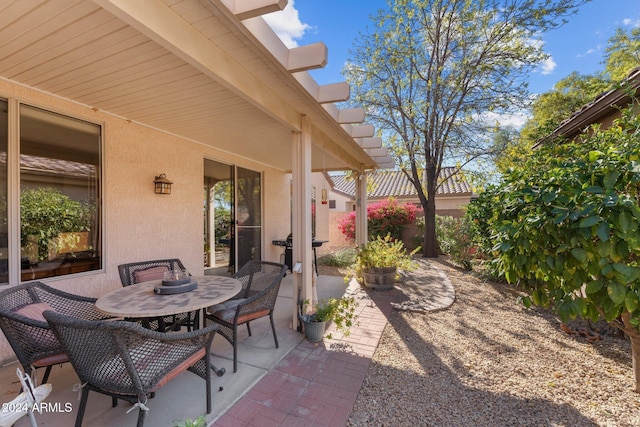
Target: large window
59 190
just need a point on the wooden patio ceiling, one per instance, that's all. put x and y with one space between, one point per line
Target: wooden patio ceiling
188 67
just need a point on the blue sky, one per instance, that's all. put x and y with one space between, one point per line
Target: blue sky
577 46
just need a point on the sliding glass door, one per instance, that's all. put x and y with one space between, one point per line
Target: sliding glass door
232 216
248 215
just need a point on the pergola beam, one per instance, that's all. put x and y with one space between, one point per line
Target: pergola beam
245 9
334 92
351 115
308 57
372 142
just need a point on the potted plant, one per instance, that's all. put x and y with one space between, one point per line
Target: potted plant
340 311
377 262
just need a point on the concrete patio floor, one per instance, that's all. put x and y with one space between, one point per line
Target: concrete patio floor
184 397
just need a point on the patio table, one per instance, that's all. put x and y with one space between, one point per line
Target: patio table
140 300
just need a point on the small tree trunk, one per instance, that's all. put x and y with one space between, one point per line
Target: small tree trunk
634 336
430 242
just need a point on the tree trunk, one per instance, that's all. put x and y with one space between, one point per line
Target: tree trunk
634 336
430 241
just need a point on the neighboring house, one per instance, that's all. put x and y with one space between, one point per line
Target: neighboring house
453 194
99 98
604 110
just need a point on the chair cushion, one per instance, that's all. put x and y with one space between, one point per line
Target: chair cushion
43 337
180 368
55 359
151 273
34 311
227 310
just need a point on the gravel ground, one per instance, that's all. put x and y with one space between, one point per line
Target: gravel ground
488 361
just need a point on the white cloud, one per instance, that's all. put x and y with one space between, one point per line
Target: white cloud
631 22
547 66
517 119
287 25
590 51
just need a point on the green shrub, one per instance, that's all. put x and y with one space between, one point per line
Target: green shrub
454 238
341 258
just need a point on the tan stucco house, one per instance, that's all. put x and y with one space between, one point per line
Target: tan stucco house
453 194
100 98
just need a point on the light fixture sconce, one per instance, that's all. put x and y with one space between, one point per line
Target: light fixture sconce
162 184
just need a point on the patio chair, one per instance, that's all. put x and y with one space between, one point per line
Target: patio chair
128 362
144 271
260 284
26 329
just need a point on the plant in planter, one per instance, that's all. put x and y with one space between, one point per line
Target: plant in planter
377 262
201 421
340 311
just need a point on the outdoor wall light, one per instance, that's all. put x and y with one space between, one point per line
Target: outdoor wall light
162 184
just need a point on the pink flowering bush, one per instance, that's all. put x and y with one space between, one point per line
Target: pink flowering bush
386 217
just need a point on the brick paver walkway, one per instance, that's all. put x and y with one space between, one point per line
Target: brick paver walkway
317 384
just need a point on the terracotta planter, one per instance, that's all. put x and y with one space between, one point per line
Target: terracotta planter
379 278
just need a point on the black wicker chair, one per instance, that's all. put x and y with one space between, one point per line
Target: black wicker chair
26 329
260 284
126 361
144 271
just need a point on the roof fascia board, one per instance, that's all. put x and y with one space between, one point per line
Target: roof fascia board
599 108
158 22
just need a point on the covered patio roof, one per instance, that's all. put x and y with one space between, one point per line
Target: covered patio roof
211 71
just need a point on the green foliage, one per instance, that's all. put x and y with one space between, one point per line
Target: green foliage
566 224
623 53
222 223
480 214
341 258
381 252
201 421
46 212
340 311
551 108
454 237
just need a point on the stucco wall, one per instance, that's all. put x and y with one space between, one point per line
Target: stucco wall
139 224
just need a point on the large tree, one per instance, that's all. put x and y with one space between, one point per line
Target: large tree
622 54
434 74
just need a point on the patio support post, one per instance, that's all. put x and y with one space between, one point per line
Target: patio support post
301 215
361 207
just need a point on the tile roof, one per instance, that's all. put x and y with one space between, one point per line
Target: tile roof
387 183
46 165
595 110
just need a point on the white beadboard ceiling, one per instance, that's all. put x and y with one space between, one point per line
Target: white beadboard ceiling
78 50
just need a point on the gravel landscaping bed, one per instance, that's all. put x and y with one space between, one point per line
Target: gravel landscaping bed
488 361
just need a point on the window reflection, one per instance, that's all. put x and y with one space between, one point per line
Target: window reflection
59 194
